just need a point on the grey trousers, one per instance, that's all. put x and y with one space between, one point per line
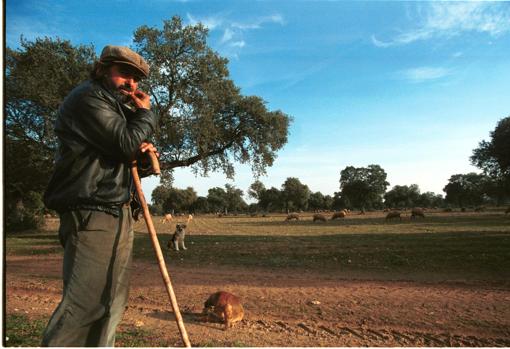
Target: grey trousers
96 272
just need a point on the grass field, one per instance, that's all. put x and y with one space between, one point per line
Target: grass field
443 246
24 332
468 247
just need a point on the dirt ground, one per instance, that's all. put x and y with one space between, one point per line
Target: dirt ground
288 308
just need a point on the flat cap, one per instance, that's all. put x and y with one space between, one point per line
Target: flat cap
124 55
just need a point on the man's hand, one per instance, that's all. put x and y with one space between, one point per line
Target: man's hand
147 164
141 99
145 146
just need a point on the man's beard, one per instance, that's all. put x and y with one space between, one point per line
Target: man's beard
116 91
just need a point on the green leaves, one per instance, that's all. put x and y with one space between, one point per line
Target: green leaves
494 157
402 196
38 77
295 194
173 199
466 189
205 122
363 187
226 200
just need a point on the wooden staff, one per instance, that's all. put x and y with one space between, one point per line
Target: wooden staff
157 247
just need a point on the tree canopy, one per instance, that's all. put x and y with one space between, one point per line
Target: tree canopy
170 199
402 196
363 187
430 199
256 190
271 199
226 200
466 189
295 194
316 201
37 78
493 158
205 122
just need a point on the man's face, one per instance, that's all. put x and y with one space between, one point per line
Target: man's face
123 79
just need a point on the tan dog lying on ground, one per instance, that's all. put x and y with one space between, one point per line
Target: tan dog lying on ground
224 306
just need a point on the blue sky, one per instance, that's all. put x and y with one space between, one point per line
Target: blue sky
411 86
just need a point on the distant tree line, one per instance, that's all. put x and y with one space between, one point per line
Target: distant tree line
218 200
365 188
361 188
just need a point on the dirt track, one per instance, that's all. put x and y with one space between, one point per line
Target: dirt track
280 309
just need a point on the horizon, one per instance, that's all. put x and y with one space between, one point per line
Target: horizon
410 86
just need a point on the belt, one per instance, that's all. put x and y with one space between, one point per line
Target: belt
114 210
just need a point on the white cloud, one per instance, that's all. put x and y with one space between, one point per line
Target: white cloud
258 22
227 35
448 19
211 22
423 74
239 44
233 38
469 16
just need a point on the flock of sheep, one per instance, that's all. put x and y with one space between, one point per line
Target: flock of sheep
415 212
390 214
167 218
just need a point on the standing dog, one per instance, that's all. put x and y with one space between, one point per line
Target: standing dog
178 237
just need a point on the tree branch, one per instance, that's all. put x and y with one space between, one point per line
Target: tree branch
193 159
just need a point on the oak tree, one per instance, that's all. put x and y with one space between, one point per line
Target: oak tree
38 76
205 122
363 187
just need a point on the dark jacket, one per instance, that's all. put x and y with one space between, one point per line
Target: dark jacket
98 140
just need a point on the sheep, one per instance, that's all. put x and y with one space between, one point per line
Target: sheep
166 218
340 214
319 217
480 209
393 214
292 216
417 212
448 209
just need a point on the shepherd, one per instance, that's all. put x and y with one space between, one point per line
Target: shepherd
102 126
